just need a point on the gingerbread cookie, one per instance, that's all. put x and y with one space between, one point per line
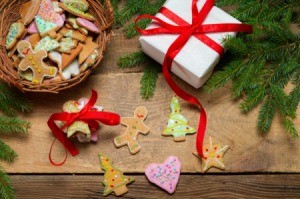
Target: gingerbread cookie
15 32
76 11
88 49
56 57
90 61
34 39
73 34
47 20
29 10
48 44
114 180
34 61
72 21
56 8
213 155
71 70
67 44
81 5
67 72
13 50
77 126
135 125
88 25
67 59
17 60
83 31
165 175
177 124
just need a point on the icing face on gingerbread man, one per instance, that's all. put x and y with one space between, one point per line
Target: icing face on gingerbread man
34 60
135 126
24 49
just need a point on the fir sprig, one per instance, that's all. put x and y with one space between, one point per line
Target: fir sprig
265 62
148 81
10 102
6 189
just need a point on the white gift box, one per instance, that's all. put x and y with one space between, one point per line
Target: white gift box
196 61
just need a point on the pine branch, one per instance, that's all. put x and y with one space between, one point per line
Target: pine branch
6 153
10 101
10 125
148 81
6 189
130 30
266 115
265 62
132 60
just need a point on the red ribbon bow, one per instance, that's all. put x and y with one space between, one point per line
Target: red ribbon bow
185 31
89 115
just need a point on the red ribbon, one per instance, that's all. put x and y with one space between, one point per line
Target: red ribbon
89 115
185 30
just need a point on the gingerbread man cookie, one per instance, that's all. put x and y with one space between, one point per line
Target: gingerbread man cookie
135 126
34 60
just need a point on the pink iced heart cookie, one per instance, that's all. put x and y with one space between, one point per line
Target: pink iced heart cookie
165 175
88 25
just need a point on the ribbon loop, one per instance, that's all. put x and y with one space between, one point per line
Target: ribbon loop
185 30
88 115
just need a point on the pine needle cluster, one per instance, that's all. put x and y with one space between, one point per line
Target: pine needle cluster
260 65
124 15
10 103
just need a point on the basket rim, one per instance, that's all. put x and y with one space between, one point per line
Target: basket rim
9 13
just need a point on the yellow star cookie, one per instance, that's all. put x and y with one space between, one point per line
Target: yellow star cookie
213 155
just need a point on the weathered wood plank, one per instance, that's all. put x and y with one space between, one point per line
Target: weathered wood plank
249 151
118 46
190 186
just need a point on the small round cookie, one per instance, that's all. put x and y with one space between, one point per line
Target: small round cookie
88 25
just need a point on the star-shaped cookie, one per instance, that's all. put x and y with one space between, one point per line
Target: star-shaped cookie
213 155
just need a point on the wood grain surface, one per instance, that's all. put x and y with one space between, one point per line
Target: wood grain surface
189 186
119 92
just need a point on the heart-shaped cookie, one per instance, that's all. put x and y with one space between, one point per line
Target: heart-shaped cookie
165 175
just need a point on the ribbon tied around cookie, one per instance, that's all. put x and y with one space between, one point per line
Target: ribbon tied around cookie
185 30
88 115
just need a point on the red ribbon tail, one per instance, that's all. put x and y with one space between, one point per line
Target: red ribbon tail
50 156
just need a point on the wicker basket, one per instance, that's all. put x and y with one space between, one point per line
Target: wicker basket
9 13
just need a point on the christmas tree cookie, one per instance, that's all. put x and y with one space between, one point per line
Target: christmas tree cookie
177 124
114 180
213 155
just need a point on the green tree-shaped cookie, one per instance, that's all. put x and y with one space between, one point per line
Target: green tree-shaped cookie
114 180
177 124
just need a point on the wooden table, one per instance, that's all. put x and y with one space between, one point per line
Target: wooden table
257 166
